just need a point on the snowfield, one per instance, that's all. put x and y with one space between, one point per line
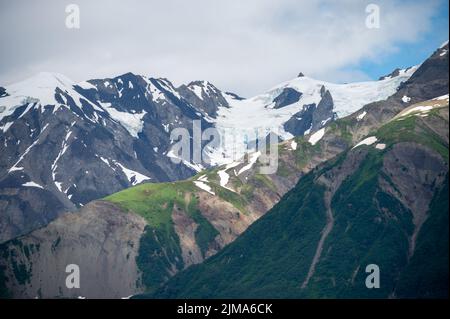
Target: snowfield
238 123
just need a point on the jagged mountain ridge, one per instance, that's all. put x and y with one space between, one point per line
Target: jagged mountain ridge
50 127
66 148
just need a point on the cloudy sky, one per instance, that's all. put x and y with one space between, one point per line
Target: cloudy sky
241 46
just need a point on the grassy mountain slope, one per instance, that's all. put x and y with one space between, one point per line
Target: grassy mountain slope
384 204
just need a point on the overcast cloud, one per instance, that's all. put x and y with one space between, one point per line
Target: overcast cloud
242 46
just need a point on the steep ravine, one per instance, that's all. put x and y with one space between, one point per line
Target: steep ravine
332 180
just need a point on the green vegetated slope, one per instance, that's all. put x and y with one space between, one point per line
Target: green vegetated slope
160 251
376 220
160 254
429 279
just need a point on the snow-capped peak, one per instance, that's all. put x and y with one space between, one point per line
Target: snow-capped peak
40 90
348 97
41 86
243 117
202 88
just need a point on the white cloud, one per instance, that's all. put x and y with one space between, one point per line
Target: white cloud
243 46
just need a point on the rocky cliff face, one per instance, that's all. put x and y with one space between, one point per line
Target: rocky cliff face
100 238
286 97
205 96
313 117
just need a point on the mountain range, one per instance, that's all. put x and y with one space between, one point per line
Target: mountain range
352 159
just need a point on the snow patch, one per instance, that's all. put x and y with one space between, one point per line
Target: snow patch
253 158
128 297
325 121
133 176
204 187
5 127
166 127
132 122
293 145
361 116
418 109
106 161
308 130
317 136
441 98
195 166
64 147
14 167
32 184
201 183
367 141
224 179
59 186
